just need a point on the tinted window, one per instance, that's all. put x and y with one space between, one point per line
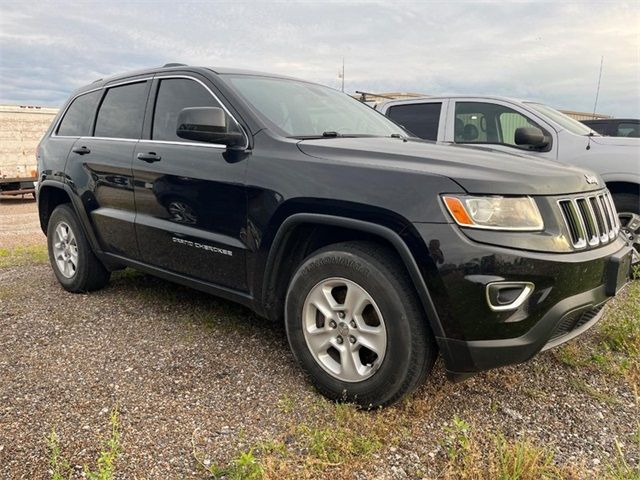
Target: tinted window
601 127
122 112
173 95
478 122
77 119
421 119
628 129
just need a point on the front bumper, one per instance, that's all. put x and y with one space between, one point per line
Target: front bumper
570 291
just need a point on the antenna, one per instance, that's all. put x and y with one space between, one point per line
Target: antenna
595 104
598 88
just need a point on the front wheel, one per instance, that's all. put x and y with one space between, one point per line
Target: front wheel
355 325
74 263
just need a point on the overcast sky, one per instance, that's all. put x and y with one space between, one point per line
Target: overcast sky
547 51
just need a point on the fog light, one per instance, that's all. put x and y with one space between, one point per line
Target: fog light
503 296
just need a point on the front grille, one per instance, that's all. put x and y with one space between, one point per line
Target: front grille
590 219
573 321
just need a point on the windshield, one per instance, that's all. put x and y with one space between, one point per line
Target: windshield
561 119
301 109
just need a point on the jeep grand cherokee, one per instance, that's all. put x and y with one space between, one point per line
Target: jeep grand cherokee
378 250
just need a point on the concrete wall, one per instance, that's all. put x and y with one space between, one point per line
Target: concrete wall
21 129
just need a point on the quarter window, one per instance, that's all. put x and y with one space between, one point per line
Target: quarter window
122 111
421 119
174 94
77 119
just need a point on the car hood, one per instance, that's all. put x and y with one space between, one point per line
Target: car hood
621 141
477 170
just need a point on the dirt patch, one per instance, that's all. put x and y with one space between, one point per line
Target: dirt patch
19 224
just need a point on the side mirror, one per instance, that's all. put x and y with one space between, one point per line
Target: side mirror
531 136
206 124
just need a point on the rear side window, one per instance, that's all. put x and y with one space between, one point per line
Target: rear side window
78 117
174 94
421 119
122 111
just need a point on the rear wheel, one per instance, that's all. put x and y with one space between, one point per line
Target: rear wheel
355 325
74 263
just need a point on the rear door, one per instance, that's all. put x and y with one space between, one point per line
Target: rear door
75 122
99 166
191 202
423 119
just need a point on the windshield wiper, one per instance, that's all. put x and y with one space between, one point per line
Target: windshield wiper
331 134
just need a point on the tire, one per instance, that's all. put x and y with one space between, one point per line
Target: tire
627 205
405 348
82 272
627 202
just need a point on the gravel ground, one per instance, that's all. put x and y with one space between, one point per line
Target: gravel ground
19 225
189 372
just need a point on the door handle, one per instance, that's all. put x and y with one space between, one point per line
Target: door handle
81 150
149 157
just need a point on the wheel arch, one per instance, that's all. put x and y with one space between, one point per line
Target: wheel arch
294 239
50 195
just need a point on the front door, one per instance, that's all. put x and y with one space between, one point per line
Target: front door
493 124
190 201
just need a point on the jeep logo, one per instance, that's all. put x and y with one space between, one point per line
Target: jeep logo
591 179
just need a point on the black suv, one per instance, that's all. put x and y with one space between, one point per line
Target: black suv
378 250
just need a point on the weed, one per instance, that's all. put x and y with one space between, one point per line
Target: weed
61 469
107 458
470 456
620 469
244 467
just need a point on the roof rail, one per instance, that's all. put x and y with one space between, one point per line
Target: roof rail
174 65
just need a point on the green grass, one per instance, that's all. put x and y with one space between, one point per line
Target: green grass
60 467
471 455
26 255
615 348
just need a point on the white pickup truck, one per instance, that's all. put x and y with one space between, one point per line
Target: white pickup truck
533 128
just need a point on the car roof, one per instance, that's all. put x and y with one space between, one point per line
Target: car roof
173 67
452 97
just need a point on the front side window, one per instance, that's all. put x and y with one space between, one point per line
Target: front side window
174 94
628 130
78 117
122 111
478 122
421 119
300 110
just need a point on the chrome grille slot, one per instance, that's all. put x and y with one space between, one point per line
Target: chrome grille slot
571 217
591 219
588 220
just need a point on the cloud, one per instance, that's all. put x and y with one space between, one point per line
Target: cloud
544 51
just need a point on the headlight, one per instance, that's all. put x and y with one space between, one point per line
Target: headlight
495 213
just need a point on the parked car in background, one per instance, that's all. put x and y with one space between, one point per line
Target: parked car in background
518 126
615 127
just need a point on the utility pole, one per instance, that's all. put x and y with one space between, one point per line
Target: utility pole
341 75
